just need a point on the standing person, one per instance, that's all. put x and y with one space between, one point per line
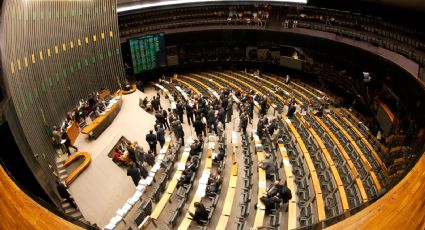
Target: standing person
180 132
134 172
229 110
204 123
159 118
199 127
68 142
64 194
165 117
189 113
151 139
220 128
180 111
222 116
160 135
155 103
244 122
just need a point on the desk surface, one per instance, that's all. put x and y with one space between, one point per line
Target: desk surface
96 122
356 147
316 183
346 157
220 86
364 140
228 202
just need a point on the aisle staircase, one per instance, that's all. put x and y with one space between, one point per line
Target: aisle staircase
65 205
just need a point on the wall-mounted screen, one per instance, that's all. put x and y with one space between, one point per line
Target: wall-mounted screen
148 52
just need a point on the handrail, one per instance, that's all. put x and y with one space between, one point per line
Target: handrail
20 207
74 174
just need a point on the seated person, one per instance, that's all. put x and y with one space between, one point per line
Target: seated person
220 156
273 189
168 159
214 182
185 178
195 148
270 202
150 158
118 158
201 214
268 165
193 164
145 102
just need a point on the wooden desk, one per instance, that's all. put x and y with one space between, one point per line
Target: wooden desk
73 131
191 87
233 181
102 122
228 202
255 89
364 140
234 170
331 164
160 206
402 207
185 224
220 86
259 219
210 91
316 183
356 147
274 106
222 223
346 157
292 204
231 84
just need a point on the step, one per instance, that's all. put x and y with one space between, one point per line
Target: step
62 177
77 215
60 166
62 171
71 211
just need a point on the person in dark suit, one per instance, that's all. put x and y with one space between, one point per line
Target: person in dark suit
160 136
189 113
244 122
150 158
155 103
143 171
180 110
134 172
180 132
151 139
165 117
201 214
63 192
270 202
68 142
199 127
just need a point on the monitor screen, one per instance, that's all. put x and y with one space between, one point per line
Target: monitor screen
147 52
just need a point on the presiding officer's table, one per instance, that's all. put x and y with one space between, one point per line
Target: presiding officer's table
102 122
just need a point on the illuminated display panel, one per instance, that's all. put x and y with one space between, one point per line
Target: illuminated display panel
147 52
